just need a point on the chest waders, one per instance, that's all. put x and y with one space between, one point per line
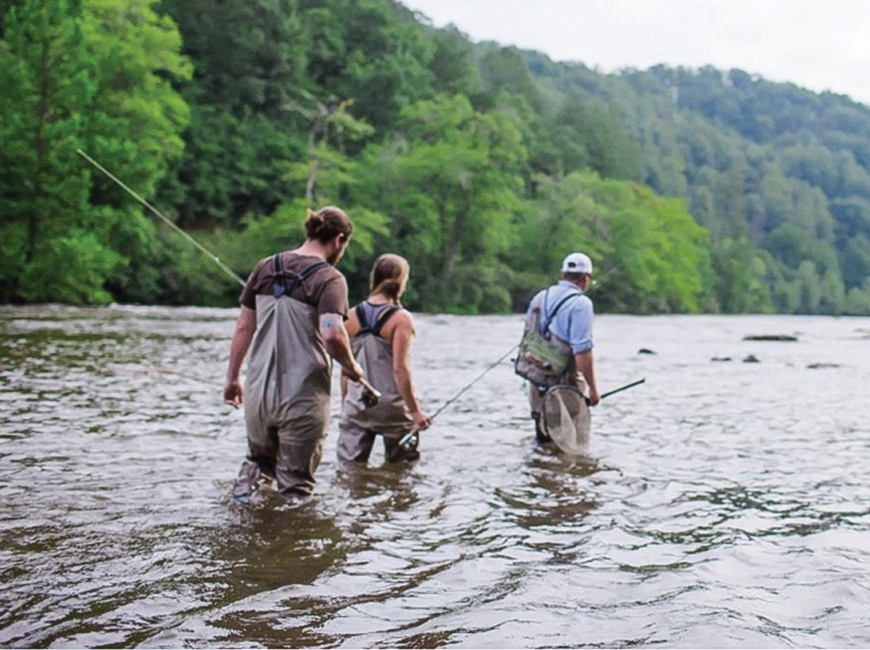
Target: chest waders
360 424
570 376
287 386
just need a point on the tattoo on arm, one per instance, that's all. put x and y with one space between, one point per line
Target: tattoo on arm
329 321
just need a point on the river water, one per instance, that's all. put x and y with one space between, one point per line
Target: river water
722 503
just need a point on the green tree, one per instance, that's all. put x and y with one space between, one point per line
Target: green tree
742 277
250 60
590 135
5 6
649 253
88 74
452 64
856 261
504 69
46 90
450 186
133 127
370 51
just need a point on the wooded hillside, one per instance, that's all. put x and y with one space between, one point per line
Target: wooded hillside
692 190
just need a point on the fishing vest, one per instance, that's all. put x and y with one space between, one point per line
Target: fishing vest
543 358
375 355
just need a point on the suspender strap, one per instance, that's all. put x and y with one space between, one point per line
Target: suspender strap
361 317
278 277
278 282
565 299
302 275
383 317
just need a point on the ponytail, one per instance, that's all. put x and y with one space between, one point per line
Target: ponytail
389 276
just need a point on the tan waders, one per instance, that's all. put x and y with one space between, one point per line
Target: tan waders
361 424
286 392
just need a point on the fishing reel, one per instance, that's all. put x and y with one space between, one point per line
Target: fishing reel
371 395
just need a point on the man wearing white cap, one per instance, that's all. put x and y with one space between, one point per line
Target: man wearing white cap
565 313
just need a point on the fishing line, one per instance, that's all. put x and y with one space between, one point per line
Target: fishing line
209 254
407 437
372 395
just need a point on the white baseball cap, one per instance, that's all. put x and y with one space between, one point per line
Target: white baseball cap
577 263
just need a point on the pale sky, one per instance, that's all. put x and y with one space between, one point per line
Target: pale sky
817 44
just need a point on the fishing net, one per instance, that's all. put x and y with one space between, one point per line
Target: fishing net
565 418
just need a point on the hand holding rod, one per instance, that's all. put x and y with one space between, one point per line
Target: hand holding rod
410 435
459 394
372 395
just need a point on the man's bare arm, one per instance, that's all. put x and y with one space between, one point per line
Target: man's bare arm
337 343
246 325
586 365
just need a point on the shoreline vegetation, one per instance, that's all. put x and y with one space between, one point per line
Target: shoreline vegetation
693 190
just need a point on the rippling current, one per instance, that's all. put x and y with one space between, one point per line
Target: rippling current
723 503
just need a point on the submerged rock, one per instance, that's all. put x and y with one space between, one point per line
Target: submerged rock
770 337
751 359
645 351
721 359
814 366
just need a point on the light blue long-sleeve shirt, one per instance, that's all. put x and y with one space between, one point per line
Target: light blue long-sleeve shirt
573 321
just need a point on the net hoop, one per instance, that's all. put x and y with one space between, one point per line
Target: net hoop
566 419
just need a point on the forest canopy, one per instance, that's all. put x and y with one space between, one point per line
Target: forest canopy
693 190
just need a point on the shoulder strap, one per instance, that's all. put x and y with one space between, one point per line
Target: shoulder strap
304 273
385 316
375 329
278 285
278 277
565 299
361 317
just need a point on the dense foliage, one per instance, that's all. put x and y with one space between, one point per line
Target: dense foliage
693 190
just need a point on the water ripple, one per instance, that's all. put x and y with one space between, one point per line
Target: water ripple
722 504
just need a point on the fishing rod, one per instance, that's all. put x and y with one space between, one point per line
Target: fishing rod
209 254
372 395
408 436
472 382
622 388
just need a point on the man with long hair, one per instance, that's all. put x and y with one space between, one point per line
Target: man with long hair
293 308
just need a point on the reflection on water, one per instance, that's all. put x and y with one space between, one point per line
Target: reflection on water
721 504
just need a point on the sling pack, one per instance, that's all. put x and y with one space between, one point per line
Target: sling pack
542 359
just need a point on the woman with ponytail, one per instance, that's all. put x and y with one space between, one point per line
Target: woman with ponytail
292 316
381 332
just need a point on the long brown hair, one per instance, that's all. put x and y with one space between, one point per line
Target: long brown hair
389 276
327 223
